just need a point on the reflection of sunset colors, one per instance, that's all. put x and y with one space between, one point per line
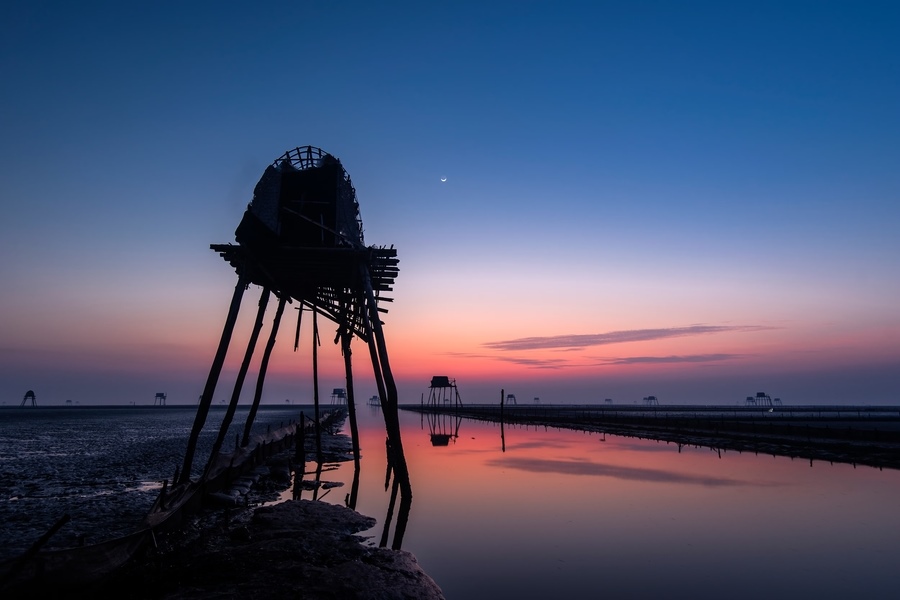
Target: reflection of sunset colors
559 504
693 202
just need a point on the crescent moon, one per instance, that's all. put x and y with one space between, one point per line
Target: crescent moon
443 179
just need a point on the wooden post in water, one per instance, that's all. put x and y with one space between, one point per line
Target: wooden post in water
300 447
213 378
297 332
389 405
351 403
502 436
315 358
263 367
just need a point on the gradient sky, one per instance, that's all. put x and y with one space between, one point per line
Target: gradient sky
695 200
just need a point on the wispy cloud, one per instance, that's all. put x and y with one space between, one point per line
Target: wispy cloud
537 363
615 337
652 360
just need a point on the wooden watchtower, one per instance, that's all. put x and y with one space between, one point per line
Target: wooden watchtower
301 239
339 397
443 393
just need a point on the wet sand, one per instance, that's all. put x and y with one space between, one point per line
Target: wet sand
242 546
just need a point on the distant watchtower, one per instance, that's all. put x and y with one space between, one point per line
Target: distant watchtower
443 392
651 401
160 399
762 399
29 395
339 397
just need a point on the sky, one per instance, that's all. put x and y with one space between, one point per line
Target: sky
692 200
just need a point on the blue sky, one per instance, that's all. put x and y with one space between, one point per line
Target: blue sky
723 174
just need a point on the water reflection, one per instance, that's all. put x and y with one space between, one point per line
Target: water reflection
443 428
308 477
589 468
401 486
560 513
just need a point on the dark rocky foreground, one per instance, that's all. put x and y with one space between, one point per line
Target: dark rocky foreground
237 548
296 549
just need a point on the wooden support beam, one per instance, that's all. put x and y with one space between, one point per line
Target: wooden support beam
213 378
315 357
263 367
239 382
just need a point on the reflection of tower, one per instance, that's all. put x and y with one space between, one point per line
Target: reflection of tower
443 427
443 393
160 399
339 396
29 395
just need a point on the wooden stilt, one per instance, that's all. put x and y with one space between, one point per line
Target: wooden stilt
353 496
351 403
300 459
213 378
315 358
402 520
297 332
385 533
239 382
502 436
390 402
263 367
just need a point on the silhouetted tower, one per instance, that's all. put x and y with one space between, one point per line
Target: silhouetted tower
511 399
651 401
159 399
339 397
301 239
443 393
29 395
762 399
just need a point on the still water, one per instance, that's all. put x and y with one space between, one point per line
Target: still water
561 514
564 514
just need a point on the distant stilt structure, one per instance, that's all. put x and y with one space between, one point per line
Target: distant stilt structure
160 399
443 392
29 395
651 401
301 238
762 399
339 397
